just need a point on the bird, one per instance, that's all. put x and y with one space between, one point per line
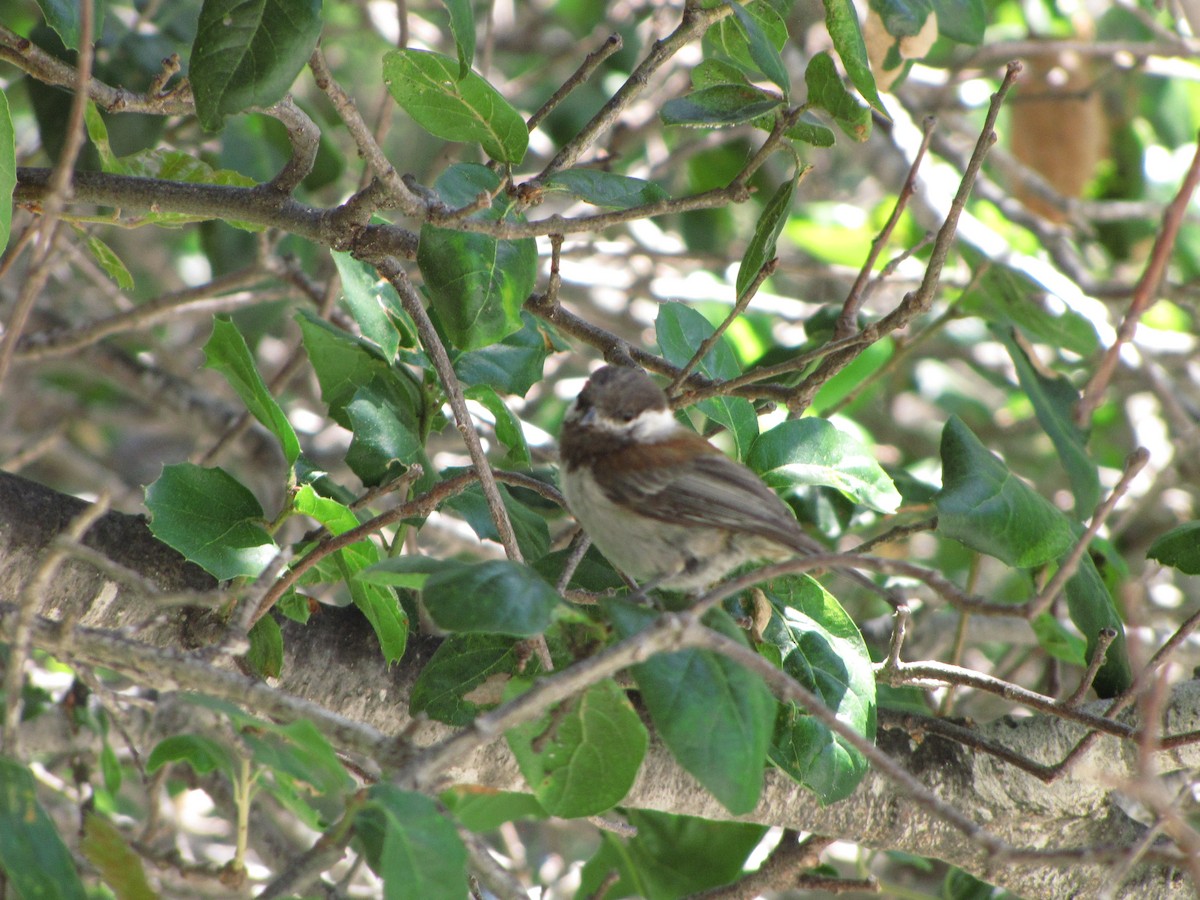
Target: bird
663 504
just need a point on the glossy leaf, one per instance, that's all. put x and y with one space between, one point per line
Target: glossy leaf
841 19
446 689
722 104
581 757
763 49
761 248
983 505
428 86
248 53
33 857
809 451
8 170
494 597
513 365
825 90
605 189
375 306
387 440
462 26
226 351
714 716
533 535
119 867
820 646
210 518
412 846
1179 548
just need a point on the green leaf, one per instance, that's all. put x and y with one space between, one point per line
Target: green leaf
761 248
119 867
427 85
810 131
825 90
669 857
486 811
714 716
581 757
382 608
722 104
841 20
387 440
1058 641
109 262
752 39
680 331
1054 401
211 518
983 505
226 351
605 189
412 846
494 597
508 426
248 53
110 768
533 535
33 857
821 648
512 366
335 516
1092 609
63 17
961 20
476 283
903 18
814 451
1179 548
446 688
8 170
404 571
375 306
462 26
296 750
265 656
203 754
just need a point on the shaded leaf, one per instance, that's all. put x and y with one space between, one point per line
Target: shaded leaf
761 248
445 689
494 597
841 20
722 104
412 846
119 867
825 89
1179 548
462 26
605 189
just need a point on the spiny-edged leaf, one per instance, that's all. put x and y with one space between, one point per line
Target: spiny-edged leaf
8 170
1003 295
580 758
411 845
755 20
265 656
680 331
462 26
841 20
513 365
465 676
375 306
508 426
494 597
119 867
533 535
761 248
203 754
825 89
715 717
63 17
1179 548
1054 400
721 104
820 646
428 86
108 260
248 53
32 855
983 505
808 451
1091 607
649 863
605 189
211 518
226 351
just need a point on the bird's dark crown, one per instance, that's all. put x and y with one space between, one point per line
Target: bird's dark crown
620 394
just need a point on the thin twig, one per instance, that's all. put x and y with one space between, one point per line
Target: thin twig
591 62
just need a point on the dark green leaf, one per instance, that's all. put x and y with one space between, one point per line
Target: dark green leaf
533 535
714 716
265 656
722 104
203 754
226 351
119 867
808 451
63 17
841 20
903 18
606 189
248 53
412 846
386 440
446 688
508 426
825 90
33 857
375 306
761 248
961 20
1092 609
821 648
1054 401
809 131
494 597
427 85
8 170
712 72
763 50
983 505
209 517
581 758
512 366
1179 548
462 26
